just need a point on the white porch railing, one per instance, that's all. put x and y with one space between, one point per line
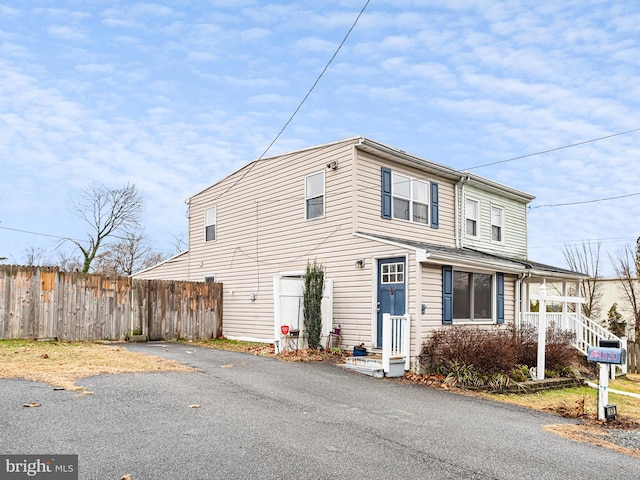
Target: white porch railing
395 339
587 332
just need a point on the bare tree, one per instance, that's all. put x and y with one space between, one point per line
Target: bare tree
132 253
108 212
627 267
68 262
33 256
586 259
179 244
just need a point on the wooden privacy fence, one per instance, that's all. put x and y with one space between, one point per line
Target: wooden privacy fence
43 302
633 357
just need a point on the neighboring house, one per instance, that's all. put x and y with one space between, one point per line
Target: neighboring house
613 292
395 234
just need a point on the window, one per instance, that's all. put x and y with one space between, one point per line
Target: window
314 195
410 199
497 224
210 224
210 279
472 296
393 273
471 213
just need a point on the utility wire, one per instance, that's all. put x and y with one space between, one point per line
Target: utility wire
41 234
585 201
326 67
554 149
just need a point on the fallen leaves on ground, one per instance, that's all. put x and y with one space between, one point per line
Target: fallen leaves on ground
589 433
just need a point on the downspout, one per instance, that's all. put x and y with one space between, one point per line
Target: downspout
520 296
459 195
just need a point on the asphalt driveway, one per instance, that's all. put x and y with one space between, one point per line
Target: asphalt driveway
243 416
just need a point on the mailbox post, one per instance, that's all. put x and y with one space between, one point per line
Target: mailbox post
608 352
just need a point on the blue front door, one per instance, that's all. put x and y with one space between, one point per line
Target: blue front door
391 291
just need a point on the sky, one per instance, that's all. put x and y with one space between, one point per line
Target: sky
173 96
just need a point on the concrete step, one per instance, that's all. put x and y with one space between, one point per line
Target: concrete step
372 365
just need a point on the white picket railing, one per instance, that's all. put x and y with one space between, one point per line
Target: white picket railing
587 332
395 339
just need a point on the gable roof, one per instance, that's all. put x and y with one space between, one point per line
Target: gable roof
397 156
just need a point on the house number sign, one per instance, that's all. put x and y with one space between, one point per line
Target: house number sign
605 355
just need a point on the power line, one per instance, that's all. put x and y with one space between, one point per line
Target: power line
275 139
41 234
585 201
554 149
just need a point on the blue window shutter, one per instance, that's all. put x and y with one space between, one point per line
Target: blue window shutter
500 298
386 192
447 295
434 205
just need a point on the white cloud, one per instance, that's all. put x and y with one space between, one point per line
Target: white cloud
67 32
94 68
175 97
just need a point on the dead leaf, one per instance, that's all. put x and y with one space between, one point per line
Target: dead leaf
44 356
126 477
195 405
31 405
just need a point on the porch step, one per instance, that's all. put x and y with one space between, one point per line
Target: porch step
372 365
366 365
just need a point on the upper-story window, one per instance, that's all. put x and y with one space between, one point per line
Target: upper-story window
472 210
497 224
410 198
314 195
210 224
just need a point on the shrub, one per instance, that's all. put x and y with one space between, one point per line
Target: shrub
312 308
489 350
473 355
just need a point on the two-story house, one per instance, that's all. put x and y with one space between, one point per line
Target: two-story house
395 234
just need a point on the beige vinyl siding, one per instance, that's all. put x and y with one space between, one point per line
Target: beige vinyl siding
431 297
369 204
514 242
174 268
431 293
262 232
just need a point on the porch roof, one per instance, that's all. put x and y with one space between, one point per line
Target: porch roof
466 256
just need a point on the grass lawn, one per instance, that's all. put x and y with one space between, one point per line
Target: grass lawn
61 364
578 402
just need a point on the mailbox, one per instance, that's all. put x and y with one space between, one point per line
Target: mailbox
605 355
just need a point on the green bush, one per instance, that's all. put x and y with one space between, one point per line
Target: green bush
312 308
